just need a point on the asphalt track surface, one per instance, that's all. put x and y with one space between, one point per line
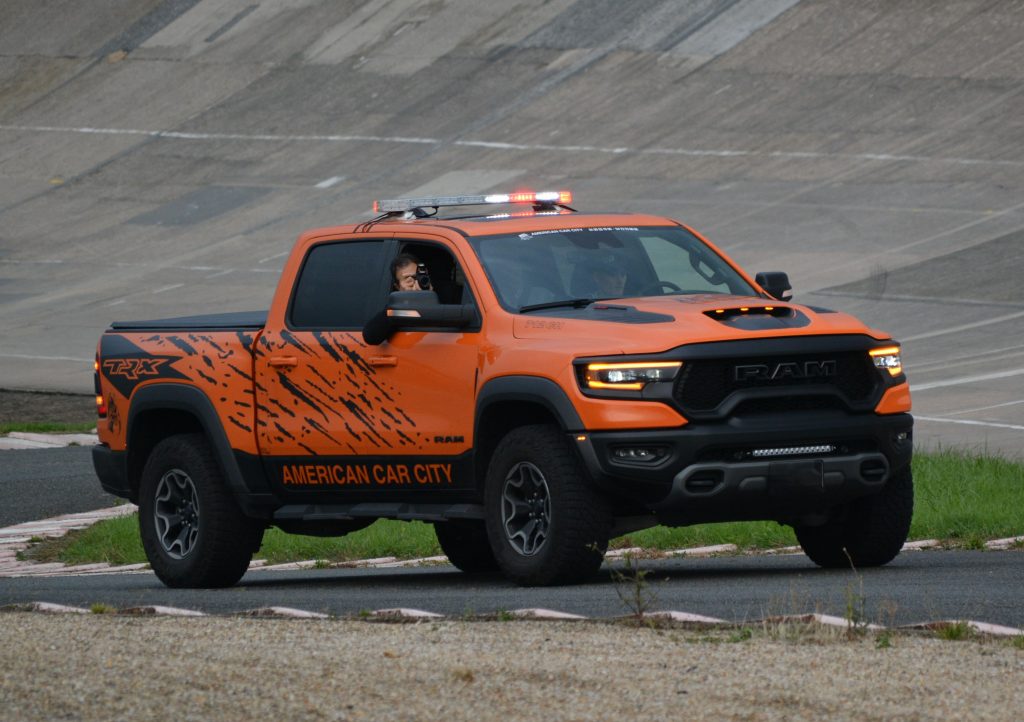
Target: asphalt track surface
917 586
41 483
160 156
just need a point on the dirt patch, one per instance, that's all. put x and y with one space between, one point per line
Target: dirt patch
44 407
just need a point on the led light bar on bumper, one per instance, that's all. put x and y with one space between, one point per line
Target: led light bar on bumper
888 358
793 451
629 376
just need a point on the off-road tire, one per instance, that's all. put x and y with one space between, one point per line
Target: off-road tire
868 532
579 521
217 554
466 545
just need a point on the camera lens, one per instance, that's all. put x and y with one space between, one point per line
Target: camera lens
422 277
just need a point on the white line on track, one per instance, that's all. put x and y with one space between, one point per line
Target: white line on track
168 288
964 327
986 408
332 181
967 422
613 150
915 388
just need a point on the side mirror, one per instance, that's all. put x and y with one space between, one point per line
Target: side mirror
419 309
776 283
408 310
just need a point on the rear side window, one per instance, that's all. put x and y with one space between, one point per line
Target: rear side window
339 285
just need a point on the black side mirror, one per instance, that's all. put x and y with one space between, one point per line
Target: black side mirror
776 283
416 309
408 310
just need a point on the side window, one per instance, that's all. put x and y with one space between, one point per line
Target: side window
338 285
446 276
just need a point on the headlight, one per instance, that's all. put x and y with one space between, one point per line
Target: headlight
629 376
888 358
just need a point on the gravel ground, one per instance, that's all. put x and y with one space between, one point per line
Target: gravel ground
106 667
41 406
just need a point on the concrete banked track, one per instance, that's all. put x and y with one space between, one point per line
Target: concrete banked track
158 157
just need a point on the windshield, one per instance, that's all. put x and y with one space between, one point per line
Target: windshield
576 265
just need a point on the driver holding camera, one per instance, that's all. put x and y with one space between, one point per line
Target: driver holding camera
409 274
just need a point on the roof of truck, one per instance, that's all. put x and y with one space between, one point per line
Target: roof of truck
488 225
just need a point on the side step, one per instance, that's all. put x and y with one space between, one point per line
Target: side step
400 511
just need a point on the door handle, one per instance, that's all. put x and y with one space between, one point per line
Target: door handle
383 360
283 361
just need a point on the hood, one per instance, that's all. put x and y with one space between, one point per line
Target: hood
654 324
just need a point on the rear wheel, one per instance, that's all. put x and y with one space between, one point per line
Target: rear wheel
466 546
868 532
192 530
545 522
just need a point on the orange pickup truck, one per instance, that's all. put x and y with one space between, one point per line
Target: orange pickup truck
566 378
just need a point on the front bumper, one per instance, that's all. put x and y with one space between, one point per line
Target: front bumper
707 472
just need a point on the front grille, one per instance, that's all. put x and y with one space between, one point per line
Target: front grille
782 404
705 383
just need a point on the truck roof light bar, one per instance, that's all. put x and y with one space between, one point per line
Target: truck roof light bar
542 198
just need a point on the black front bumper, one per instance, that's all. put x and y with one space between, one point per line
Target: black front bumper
708 472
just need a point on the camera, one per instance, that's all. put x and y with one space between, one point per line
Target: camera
422 276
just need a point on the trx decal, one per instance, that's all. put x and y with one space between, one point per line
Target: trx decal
133 368
126 365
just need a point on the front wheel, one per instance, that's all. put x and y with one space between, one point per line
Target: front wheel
193 532
545 522
868 532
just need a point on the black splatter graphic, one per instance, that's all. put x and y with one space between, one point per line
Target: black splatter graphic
183 345
240 425
299 394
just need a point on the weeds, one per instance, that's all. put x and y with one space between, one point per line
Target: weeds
741 635
101 608
955 631
632 587
856 608
883 640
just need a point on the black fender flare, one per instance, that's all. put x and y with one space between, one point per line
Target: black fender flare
534 389
181 397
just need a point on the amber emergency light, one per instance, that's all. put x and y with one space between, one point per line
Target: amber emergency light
397 205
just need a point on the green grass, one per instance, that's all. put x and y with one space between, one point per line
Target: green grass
116 541
961 498
46 427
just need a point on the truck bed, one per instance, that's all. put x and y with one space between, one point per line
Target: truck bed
205 322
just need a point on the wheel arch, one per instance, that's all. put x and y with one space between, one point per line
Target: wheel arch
508 402
163 410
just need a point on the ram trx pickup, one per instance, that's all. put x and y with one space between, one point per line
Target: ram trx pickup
566 378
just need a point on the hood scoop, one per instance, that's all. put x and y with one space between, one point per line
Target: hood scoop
758 317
